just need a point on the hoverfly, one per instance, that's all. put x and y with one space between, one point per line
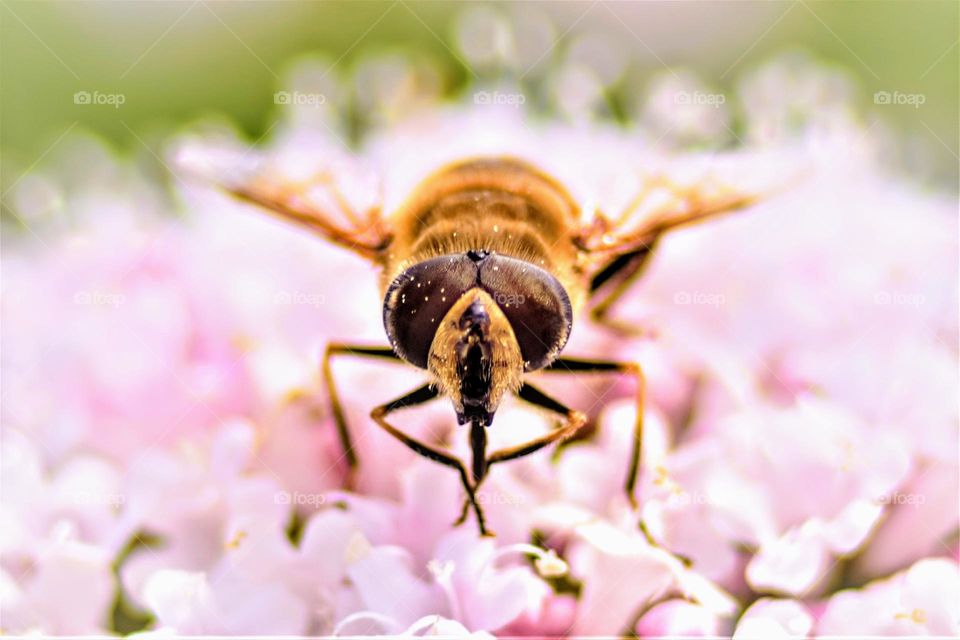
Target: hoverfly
483 270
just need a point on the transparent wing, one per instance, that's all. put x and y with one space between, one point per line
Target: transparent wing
682 192
620 247
315 188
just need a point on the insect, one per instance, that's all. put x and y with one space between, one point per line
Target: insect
483 270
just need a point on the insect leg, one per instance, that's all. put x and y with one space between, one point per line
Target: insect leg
338 349
419 396
618 275
574 421
578 365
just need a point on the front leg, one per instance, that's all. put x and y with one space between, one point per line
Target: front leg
578 365
336 407
612 282
574 421
424 394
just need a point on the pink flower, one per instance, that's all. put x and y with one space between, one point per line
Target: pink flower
162 393
771 618
679 618
919 601
60 533
129 342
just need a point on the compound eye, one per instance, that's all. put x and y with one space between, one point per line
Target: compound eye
419 298
535 303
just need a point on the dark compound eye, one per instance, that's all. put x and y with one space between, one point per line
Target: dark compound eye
419 298
533 301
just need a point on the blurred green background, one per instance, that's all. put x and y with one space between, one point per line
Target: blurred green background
177 61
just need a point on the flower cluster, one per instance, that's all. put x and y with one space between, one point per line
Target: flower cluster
170 464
